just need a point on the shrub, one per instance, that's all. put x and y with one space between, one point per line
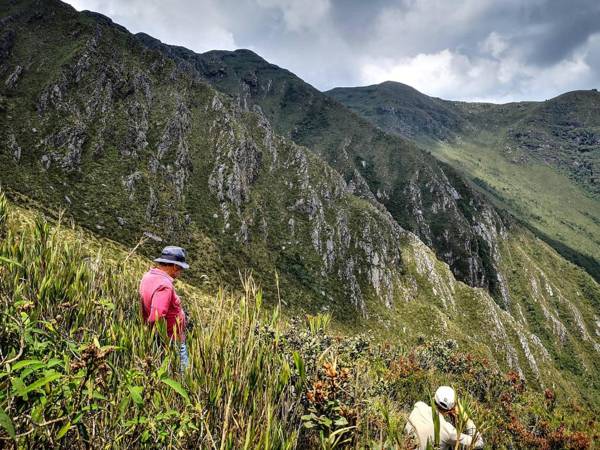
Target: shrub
79 369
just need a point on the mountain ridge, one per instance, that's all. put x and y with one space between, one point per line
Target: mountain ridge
130 141
512 152
395 173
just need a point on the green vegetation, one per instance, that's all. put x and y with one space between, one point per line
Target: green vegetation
537 160
401 109
536 193
410 183
124 135
78 368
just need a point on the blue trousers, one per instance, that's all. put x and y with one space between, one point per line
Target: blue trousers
184 356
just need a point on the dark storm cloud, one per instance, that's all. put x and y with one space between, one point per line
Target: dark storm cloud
355 19
470 49
558 28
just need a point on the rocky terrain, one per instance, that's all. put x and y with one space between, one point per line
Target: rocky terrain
250 168
540 160
422 195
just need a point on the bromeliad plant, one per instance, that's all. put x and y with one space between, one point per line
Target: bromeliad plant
79 369
329 403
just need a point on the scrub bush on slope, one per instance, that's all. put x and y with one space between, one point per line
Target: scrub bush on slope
79 369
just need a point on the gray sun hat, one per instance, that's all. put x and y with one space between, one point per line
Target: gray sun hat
173 255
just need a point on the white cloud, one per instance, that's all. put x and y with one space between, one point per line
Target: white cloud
500 74
567 75
195 25
414 26
444 74
495 44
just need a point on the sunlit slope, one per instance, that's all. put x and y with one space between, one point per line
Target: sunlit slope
545 199
538 160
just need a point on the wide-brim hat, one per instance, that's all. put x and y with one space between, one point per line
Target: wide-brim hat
173 255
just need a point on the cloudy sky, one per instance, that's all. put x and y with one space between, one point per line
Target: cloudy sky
486 50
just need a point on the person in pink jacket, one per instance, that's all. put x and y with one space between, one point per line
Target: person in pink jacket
159 301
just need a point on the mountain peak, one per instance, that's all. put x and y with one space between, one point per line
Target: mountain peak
389 87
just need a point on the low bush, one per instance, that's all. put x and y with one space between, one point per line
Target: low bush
79 369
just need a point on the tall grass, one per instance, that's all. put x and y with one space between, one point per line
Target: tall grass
79 369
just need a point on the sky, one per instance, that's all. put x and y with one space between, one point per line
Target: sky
472 50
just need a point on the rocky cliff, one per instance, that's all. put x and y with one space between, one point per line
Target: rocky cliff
132 144
422 195
540 160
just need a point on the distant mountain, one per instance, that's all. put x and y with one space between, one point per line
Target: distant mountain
563 132
404 111
252 169
540 160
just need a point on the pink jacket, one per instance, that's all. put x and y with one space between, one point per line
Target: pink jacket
159 300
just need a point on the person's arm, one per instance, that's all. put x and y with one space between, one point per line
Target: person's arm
161 300
470 428
450 436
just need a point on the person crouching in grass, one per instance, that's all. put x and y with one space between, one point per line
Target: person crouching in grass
159 301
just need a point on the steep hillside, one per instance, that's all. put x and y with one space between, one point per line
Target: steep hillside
132 145
540 160
131 142
425 197
402 110
79 369
563 132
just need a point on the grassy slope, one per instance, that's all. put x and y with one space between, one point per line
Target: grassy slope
253 374
105 381
542 197
402 109
478 140
430 300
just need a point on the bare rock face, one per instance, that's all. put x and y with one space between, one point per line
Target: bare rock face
52 96
14 147
66 148
364 261
136 139
173 144
130 181
466 231
13 78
